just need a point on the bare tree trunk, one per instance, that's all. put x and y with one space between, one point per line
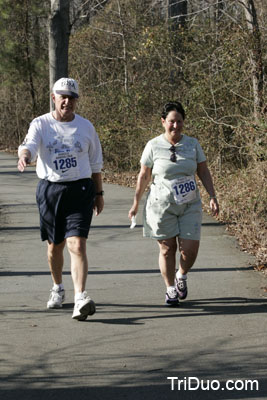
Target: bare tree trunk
255 55
218 14
217 10
177 10
59 31
124 56
29 61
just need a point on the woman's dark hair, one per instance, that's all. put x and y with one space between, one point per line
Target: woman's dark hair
172 106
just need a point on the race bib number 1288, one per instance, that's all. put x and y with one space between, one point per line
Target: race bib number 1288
184 189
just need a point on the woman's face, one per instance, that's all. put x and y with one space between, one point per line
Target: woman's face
173 124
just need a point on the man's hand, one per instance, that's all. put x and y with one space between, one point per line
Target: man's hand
99 204
23 162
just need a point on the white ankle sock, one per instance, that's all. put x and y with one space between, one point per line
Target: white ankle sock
58 287
78 296
179 275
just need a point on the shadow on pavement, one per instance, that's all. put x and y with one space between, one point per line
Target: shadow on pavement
136 314
153 390
21 228
126 271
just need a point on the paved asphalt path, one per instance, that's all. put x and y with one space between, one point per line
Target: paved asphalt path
133 343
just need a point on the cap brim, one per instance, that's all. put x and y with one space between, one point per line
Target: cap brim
67 92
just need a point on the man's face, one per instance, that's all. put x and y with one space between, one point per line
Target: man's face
64 107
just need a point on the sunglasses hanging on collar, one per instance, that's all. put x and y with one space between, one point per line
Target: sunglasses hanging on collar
173 157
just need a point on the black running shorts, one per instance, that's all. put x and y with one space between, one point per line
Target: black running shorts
65 208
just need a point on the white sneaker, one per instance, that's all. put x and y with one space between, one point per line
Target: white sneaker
83 307
171 298
56 298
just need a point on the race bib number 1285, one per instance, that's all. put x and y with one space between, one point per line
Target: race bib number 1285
65 165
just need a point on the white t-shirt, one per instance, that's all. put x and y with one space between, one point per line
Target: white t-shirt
156 155
65 151
169 176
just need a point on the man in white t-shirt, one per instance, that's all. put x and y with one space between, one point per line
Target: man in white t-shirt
68 158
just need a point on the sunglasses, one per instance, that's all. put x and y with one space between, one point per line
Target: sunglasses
173 157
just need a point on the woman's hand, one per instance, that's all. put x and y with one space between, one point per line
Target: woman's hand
142 182
214 206
133 211
205 177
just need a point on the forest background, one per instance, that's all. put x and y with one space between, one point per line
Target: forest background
132 56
